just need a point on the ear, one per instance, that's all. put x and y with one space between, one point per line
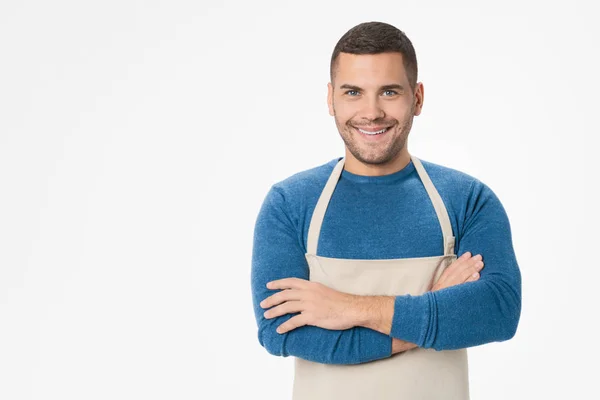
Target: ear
330 98
419 97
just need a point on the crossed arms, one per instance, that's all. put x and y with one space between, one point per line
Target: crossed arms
319 305
374 327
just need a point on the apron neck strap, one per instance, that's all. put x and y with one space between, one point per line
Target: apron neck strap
438 205
321 207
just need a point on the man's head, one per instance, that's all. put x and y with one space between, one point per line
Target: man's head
374 86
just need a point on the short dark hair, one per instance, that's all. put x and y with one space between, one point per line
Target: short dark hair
374 38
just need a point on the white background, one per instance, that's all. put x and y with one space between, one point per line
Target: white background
139 138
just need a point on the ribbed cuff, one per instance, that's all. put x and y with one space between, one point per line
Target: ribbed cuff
411 318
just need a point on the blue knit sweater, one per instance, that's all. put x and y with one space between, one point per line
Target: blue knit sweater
382 217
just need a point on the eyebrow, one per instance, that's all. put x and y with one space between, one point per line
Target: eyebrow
384 87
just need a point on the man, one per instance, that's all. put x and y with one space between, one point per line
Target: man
385 308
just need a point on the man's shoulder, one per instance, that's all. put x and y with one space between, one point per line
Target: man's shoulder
294 197
446 176
306 181
457 188
463 192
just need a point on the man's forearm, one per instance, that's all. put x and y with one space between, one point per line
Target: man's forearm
352 346
438 319
374 312
399 346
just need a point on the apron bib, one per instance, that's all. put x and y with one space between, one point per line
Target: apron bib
417 374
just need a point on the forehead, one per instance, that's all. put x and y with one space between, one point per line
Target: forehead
369 68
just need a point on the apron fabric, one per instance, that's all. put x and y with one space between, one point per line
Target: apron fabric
416 374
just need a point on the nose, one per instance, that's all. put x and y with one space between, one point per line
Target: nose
372 110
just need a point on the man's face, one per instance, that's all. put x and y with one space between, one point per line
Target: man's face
371 92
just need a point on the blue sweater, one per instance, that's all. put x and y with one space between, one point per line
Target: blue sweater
382 217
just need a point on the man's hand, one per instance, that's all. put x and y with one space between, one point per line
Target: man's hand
463 269
317 304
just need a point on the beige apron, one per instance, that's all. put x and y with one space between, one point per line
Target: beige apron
417 374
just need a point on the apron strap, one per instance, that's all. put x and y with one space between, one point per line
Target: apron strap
438 205
317 218
321 207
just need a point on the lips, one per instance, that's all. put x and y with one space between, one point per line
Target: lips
372 128
372 131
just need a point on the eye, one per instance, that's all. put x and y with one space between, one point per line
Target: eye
390 91
351 91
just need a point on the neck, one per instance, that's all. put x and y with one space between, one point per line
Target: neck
353 165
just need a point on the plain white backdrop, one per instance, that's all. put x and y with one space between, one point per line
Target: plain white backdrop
139 138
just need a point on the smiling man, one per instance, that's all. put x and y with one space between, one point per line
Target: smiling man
355 266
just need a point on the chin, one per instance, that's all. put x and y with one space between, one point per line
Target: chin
371 159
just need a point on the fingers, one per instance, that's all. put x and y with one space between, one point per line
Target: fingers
280 297
289 307
453 269
473 277
293 323
470 269
287 283
465 268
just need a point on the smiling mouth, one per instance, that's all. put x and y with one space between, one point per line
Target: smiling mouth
375 131
379 132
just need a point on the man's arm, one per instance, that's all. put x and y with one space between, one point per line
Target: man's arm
322 306
471 314
277 254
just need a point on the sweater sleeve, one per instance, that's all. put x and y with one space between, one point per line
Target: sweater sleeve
473 313
276 254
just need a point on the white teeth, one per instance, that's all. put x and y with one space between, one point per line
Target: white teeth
373 133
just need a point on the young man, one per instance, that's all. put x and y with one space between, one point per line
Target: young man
385 309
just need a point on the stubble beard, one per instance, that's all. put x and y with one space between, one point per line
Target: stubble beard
378 153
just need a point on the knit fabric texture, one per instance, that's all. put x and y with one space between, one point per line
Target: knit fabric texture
387 217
